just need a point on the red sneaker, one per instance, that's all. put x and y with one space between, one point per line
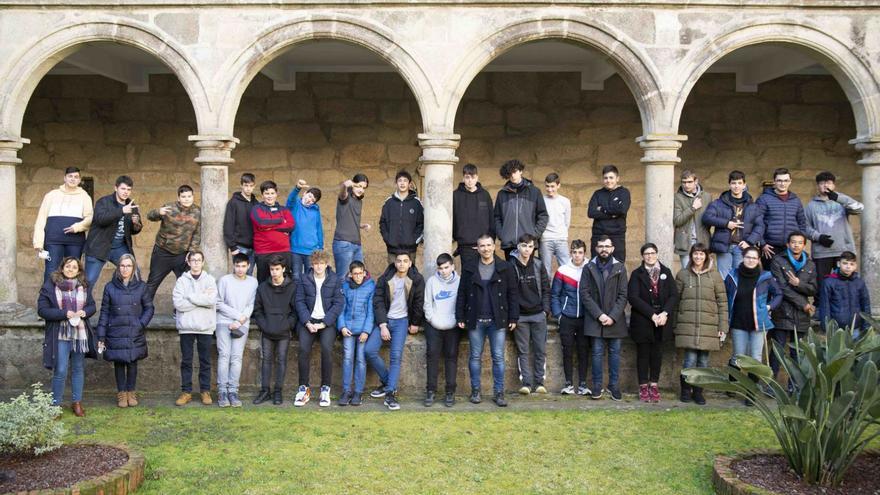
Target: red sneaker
655 393
644 393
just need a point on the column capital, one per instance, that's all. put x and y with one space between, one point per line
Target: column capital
9 146
438 148
214 149
869 148
661 149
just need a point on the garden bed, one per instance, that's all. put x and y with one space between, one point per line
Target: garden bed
75 468
767 472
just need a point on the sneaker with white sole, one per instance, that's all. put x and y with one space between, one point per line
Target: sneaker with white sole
378 392
540 389
391 401
568 389
302 396
525 390
325 396
583 389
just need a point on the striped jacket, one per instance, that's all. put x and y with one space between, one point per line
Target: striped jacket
564 299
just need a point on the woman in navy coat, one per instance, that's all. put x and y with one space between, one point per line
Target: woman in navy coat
126 309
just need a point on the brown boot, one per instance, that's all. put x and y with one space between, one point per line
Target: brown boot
77 409
121 399
132 398
206 398
184 399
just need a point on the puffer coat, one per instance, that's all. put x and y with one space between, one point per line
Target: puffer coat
125 313
702 309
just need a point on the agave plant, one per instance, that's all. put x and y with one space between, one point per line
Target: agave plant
822 425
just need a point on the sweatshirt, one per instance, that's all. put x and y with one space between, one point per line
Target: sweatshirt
180 229
272 227
195 303
559 214
472 215
534 287
608 210
61 209
237 227
348 218
235 298
402 223
832 218
308 235
440 297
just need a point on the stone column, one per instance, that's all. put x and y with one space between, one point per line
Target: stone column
437 162
9 159
214 159
869 257
661 156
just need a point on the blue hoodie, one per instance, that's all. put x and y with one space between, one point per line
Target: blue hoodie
308 235
357 312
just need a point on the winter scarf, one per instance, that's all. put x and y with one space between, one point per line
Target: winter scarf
71 296
795 263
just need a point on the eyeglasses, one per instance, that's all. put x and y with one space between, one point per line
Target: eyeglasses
649 253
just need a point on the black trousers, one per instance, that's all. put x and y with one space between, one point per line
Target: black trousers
203 343
619 242
161 264
263 264
824 267
781 337
273 351
649 356
443 343
571 334
468 255
126 376
326 336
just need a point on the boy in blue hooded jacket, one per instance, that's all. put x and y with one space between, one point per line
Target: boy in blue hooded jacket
308 235
355 324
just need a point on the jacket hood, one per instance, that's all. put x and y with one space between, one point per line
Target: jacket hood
508 186
836 274
707 266
412 196
278 288
77 190
368 282
464 189
452 280
412 273
696 193
728 198
238 196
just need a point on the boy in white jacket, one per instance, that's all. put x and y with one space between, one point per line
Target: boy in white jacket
195 315
441 333
235 303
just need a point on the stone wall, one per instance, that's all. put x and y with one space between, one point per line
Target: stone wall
334 125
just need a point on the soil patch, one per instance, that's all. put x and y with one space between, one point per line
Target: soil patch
60 468
771 472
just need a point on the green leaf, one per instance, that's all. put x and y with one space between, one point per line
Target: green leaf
792 411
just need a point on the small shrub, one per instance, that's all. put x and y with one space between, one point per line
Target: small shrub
28 425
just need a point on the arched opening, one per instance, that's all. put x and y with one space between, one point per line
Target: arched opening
324 110
110 109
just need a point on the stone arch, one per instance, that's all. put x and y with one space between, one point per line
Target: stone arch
851 70
635 67
28 68
274 40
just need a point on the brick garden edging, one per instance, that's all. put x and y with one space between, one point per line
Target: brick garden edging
725 480
122 480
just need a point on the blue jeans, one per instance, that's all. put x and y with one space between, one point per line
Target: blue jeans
548 249
477 337
748 343
694 358
390 376
94 265
66 358
599 345
58 252
344 253
729 260
353 359
229 353
300 264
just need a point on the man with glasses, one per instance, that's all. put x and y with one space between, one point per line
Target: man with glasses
783 214
603 293
195 316
691 202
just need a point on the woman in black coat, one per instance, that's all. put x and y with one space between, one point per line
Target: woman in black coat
66 304
126 309
653 297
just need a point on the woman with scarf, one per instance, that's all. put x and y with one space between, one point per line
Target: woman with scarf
126 309
752 294
66 304
653 297
701 325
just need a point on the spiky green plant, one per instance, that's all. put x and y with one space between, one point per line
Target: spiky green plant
823 424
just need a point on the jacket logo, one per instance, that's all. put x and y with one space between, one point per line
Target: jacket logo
444 294
412 211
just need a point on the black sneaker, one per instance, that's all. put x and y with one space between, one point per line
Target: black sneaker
499 399
356 400
378 392
615 393
391 401
345 399
263 396
596 393
449 401
476 398
429 398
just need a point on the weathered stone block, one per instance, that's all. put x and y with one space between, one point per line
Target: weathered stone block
526 118
560 89
782 156
362 154
552 155
261 158
40 110
514 88
250 110
395 112
34 155
822 90
288 134
80 131
87 86
814 118
296 105
128 132
155 157
477 89
735 159
347 111
479 113
331 90
614 115
380 85
623 153
403 154
73 109
323 158
344 134
749 113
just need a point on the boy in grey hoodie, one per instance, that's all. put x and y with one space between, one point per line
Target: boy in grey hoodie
441 334
828 213
235 303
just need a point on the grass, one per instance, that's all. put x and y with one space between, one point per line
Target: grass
282 450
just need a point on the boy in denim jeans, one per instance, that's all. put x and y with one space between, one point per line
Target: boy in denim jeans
355 324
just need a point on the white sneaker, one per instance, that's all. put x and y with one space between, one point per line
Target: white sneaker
524 390
302 396
568 389
325 397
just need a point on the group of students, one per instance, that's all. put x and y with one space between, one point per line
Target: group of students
296 292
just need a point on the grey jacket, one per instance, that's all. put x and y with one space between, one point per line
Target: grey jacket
600 296
688 222
195 304
832 218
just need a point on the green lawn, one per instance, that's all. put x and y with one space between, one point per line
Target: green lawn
283 450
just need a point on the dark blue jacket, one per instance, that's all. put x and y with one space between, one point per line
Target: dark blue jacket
841 299
504 295
767 292
47 308
357 313
125 313
720 212
782 217
331 297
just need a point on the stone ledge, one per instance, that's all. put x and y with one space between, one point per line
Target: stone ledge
726 482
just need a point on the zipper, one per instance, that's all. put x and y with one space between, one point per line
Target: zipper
699 286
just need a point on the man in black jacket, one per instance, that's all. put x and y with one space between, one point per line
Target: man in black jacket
608 208
519 207
115 220
398 307
472 214
275 315
488 306
238 231
403 220
534 306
